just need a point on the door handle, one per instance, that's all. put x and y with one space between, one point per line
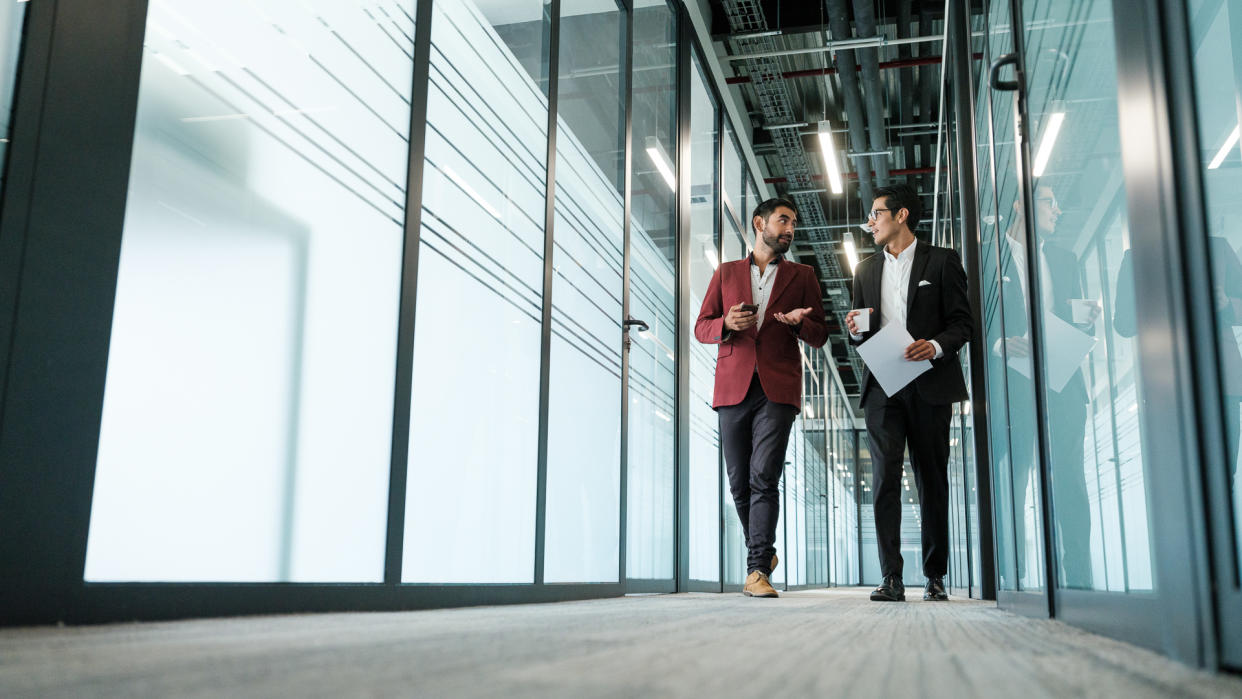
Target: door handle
1009 59
631 321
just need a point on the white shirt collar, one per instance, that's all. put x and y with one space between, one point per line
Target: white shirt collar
904 256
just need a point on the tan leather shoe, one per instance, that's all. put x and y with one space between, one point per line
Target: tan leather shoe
757 585
775 562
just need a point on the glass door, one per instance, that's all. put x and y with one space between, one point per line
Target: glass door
1016 463
651 289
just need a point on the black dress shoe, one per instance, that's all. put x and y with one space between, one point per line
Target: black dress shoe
891 590
934 592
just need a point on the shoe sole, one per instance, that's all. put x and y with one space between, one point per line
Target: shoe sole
885 598
751 594
932 598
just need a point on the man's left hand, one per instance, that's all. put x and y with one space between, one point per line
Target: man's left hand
920 350
793 317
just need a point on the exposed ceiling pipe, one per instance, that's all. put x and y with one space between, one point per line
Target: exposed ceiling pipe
869 59
839 22
884 65
906 77
927 96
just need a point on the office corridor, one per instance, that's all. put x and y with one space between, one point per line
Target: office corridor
813 643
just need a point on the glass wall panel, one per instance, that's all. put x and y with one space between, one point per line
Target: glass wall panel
1216 40
247 417
652 378
12 20
736 221
732 247
1004 313
1092 369
704 257
474 415
584 411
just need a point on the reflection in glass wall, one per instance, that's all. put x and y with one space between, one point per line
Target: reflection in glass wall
1011 398
584 405
1216 43
12 19
705 460
652 379
1086 286
247 418
474 416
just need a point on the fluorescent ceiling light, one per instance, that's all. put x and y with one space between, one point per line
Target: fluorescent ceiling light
661 161
832 164
1055 120
851 253
1224 150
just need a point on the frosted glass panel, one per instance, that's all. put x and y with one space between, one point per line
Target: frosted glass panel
705 469
246 431
584 414
474 416
652 378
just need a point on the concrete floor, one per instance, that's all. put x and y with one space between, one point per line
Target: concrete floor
805 644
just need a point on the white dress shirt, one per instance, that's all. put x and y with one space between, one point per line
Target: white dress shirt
895 290
761 287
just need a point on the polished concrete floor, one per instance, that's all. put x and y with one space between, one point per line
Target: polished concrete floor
805 644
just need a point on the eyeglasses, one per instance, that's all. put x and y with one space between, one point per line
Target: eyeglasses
871 215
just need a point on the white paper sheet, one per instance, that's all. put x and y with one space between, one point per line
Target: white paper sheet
1067 347
884 354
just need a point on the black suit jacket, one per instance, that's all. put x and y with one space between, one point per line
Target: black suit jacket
938 310
1064 272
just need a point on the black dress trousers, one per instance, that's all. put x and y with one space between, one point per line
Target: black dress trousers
892 423
753 436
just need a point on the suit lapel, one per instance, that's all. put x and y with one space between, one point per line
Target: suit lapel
922 251
874 287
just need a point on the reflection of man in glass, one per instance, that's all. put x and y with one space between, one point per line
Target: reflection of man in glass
1061 286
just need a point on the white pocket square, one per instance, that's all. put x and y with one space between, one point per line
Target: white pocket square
924 283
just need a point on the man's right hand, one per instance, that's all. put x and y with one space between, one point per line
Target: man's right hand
738 320
849 321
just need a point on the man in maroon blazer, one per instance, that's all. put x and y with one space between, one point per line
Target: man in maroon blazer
757 309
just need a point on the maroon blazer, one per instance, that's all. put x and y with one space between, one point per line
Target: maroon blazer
774 348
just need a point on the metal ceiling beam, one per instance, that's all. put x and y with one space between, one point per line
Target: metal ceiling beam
838 45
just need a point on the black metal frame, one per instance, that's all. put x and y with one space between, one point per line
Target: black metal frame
964 105
397 479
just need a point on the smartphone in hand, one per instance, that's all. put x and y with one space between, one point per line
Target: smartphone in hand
750 308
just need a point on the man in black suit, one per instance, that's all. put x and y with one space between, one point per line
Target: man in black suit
924 288
1061 287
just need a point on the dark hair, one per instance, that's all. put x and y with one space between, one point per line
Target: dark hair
902 196
765 209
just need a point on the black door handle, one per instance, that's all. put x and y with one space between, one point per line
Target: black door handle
1009 59
631 320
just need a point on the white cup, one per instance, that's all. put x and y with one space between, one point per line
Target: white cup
1081 309
862 321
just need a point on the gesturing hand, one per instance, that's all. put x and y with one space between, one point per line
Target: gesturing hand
920 350
793 317
739 320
